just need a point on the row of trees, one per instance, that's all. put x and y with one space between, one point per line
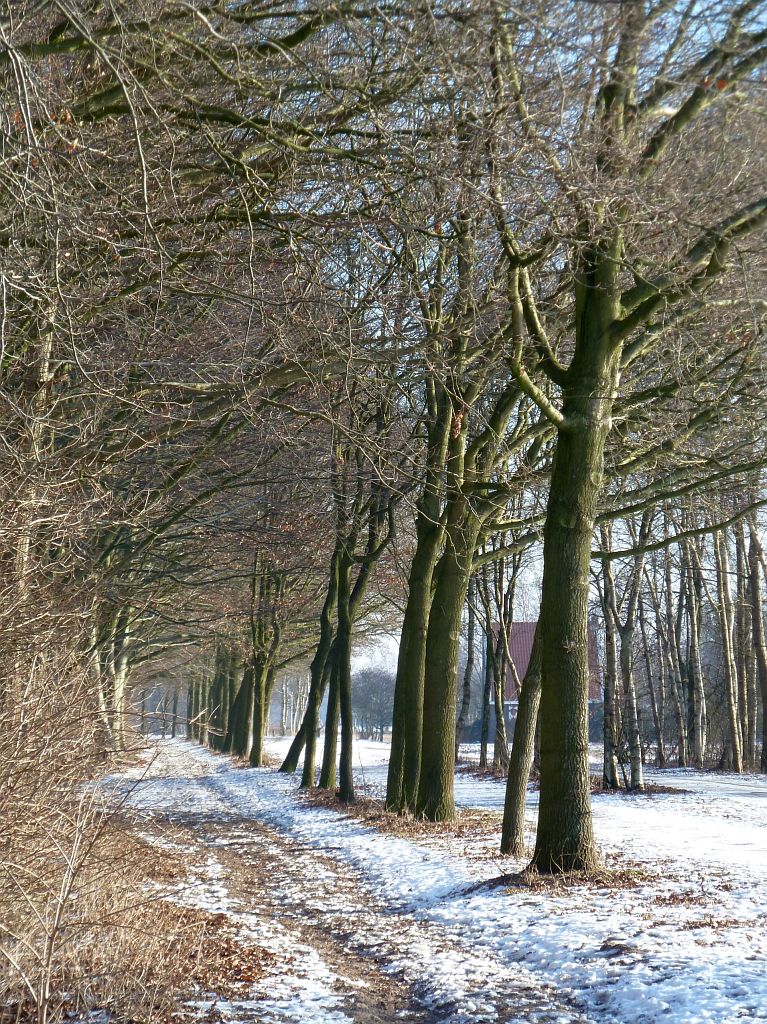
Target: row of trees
313 315
689 625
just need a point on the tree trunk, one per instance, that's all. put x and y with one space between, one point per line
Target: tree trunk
317 671
332 714
344 640
259 711
743 650
757 627
610 727
174 713
521 758
463 714
500 740
726 622
694 666
660 755
407 719
290 763
238 737
214 700
435 786
631 712
565 837
487 669
672 656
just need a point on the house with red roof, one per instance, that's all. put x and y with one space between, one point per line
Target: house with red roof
520 648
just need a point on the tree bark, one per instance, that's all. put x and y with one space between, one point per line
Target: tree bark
407 719
521 758
435 786
610 728
565 837
332 716
757 626
463 714
724 608
317 671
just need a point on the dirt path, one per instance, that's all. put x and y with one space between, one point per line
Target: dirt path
339 950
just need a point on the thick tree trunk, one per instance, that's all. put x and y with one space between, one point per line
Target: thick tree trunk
565 838
263 676
521 758
407 719
238 735
260 710
435 786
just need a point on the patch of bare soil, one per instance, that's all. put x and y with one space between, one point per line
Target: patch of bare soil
264 876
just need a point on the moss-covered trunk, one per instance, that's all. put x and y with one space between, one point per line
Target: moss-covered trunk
565 839
435 785
407 718
405 760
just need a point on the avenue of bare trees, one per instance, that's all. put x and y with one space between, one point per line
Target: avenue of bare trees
317 320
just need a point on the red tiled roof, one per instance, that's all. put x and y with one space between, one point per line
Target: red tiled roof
521 646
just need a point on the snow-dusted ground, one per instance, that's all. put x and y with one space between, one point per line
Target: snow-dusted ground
687 945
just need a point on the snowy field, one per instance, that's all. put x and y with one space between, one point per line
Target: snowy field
687 944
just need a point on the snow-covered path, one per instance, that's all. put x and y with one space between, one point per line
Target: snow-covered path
372 927
348 912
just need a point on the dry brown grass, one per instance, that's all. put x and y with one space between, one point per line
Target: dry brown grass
83 921
129 948
469 823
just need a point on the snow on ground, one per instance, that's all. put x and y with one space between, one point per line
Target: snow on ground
687 945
